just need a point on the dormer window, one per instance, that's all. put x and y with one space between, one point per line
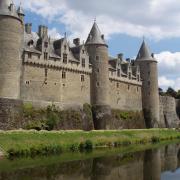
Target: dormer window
29 55
83 62
45 55
118 73
65 58
65 47
46 44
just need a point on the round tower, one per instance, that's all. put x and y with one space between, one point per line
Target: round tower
98 55
11 34
150 93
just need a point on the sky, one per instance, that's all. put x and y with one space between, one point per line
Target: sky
124 24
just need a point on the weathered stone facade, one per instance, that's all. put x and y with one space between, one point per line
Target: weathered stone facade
168 115
43 71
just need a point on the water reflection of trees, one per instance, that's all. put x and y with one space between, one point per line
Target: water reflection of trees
146 165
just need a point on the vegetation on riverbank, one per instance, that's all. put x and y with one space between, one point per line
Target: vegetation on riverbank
32 143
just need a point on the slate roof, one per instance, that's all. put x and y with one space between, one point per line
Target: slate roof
144 52
95 36
4 8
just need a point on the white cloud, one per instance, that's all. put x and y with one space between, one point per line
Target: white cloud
169 69
54 34
157 19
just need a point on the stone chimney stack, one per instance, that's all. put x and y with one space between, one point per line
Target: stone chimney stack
28 28
43 31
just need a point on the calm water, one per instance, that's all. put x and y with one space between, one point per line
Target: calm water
152 164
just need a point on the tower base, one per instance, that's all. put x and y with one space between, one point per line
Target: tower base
101 114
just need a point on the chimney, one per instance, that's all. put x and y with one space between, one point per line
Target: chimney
120 56
28 28
43 31
76 41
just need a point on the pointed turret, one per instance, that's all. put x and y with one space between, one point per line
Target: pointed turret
20 12
150 95
98 55
144 52
95 36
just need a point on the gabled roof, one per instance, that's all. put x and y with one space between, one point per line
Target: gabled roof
95 36
144 53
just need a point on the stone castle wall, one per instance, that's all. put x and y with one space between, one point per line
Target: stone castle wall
43 85
125 95
168 115
10 114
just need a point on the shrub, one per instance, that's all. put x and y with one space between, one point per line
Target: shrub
74 147
155 139
28 109
86 146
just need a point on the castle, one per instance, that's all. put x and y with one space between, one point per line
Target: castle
35 68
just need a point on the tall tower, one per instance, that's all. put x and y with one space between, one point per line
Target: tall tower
11 34
98 54
150 94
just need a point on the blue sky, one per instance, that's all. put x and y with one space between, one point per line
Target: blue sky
124 23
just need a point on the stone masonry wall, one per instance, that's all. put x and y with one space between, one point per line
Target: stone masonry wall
42 85
168 115
10 114
125 96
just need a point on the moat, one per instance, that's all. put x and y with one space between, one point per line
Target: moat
158 162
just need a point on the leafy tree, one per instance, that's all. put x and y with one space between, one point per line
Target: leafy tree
171 92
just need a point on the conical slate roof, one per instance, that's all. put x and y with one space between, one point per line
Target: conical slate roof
20 10
144 53
95 36
5 8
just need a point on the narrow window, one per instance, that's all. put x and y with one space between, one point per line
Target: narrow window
83 62
46 44
137 89
97 83
117 85
83 51
129 75
29 55
128 87
65 47
46 72
65 58
63 75
82 78
119 73
97 58
45 55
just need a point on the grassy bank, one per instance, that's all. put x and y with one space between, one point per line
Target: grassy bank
32 143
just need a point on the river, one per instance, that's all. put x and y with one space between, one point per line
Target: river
159 162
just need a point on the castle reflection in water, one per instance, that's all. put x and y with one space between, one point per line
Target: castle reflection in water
146 165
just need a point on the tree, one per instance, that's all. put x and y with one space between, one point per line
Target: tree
178 94
171 92
161 92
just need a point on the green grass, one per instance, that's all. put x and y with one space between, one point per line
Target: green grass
31 143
